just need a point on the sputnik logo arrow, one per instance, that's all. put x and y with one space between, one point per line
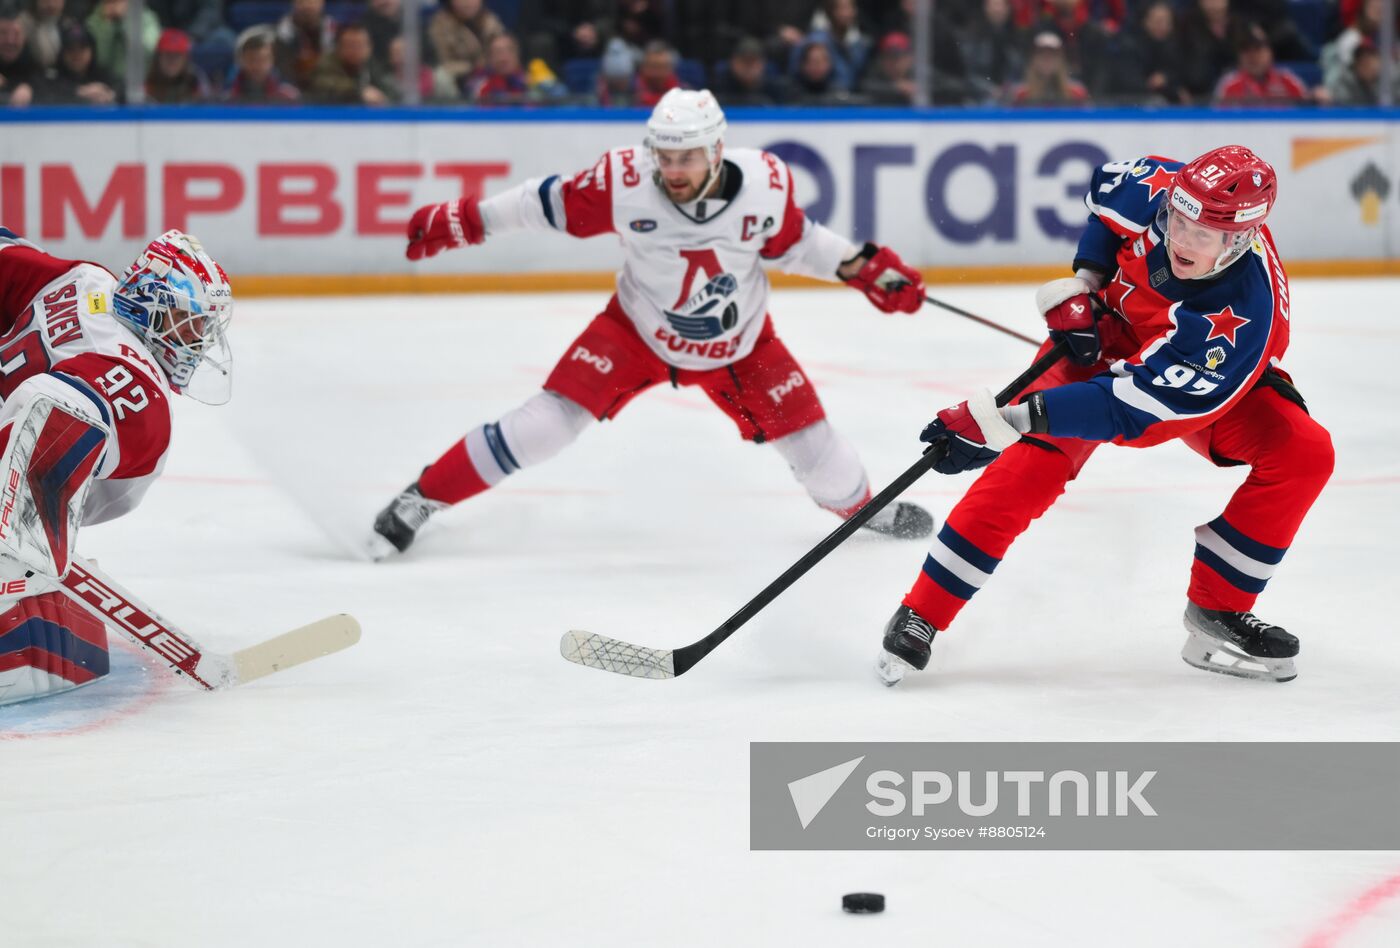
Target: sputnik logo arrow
812 793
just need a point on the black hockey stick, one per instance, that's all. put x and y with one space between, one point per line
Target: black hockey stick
983 320
614 655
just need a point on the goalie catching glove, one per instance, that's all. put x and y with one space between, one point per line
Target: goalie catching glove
438 227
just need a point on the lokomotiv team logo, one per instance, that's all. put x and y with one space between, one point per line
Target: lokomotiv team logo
708 313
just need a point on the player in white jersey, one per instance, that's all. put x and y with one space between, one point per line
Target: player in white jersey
87 366
697 222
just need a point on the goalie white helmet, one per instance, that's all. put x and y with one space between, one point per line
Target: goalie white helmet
178 301
685 119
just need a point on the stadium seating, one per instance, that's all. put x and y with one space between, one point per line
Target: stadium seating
581 75
345 12
215 61
691 73
1306 70
1314 20
242 14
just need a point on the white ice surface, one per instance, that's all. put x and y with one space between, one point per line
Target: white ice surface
452 781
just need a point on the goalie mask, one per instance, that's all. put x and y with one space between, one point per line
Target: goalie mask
1214 207
178 302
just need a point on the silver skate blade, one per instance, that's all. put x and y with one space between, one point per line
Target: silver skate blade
1214 655
891 668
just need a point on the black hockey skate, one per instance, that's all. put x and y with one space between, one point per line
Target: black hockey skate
907 641
903 521
398 524
1238 643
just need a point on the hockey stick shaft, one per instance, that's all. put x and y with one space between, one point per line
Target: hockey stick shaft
686 657
118 609
990 324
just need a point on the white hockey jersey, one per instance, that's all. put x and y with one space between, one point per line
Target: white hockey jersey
56 318
692 279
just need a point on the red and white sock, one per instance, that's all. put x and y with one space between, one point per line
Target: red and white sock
527 435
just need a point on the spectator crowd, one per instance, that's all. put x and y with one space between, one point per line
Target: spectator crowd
750 52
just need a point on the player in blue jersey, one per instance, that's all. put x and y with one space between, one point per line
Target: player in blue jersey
1196 322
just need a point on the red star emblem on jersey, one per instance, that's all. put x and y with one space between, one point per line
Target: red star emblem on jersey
1158 181
1116 293
1224 325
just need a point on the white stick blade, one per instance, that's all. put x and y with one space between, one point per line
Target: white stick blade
622 658
328 635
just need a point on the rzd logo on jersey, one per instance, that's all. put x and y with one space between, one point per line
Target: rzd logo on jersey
602 363
784 388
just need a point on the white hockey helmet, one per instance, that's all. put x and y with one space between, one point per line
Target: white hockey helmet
685 119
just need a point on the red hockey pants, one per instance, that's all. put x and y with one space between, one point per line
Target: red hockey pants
1289 456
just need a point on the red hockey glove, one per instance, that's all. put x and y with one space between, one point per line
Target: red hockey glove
974 431
436 227
888 282
1069 313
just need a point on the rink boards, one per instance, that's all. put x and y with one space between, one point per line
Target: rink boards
313 200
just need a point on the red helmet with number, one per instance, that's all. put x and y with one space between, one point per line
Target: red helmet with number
1229 188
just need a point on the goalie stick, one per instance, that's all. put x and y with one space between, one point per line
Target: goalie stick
117 608
637 661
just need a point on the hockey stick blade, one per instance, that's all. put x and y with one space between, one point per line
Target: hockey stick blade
323 637
614 655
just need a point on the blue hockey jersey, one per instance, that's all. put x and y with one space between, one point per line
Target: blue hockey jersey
1180 352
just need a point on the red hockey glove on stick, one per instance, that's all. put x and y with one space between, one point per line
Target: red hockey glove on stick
888 282
975 433
436 227
1069 314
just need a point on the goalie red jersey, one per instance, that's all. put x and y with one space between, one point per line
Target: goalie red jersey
58 333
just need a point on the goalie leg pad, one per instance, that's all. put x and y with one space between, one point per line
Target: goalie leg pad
49 645
49 452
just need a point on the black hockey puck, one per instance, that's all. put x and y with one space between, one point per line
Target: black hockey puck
863 903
